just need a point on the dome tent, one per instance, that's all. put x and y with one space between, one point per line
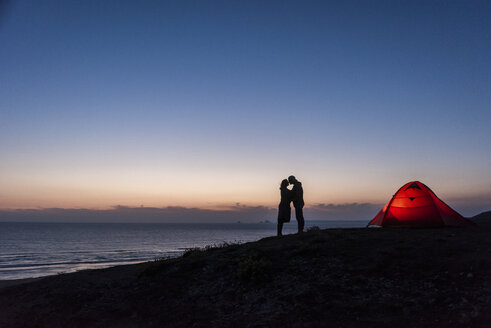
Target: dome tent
415 205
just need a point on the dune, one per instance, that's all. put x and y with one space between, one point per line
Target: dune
322 278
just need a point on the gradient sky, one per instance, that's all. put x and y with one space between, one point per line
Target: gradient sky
212 103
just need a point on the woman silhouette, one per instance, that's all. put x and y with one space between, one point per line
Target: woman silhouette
284 210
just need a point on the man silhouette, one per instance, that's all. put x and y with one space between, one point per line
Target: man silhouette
298 202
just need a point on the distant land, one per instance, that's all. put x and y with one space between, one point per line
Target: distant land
482 219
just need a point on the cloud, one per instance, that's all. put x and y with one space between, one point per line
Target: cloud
120 213
349 211
225 213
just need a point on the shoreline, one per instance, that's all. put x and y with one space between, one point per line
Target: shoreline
126 247
96 266
103 265
15 282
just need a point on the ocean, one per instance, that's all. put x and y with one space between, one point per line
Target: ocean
29 250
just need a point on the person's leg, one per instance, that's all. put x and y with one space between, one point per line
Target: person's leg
300 219
280 227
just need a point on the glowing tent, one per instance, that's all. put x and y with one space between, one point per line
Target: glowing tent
415 205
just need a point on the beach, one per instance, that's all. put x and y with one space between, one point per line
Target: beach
322 278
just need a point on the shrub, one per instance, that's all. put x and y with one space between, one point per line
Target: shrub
254 270
200 250
192 251
224 244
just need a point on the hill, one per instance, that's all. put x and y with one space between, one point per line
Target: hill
482 219
323 278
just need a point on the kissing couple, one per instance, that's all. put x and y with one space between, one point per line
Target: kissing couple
294 195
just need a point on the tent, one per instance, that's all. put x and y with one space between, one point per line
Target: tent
415 205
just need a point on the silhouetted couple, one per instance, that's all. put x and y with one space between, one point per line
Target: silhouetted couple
287 196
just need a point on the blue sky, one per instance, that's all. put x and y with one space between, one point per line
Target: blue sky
212 103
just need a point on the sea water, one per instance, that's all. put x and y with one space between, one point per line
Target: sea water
29 250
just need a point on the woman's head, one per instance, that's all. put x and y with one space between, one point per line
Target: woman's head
284 184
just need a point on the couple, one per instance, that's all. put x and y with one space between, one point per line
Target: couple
287 196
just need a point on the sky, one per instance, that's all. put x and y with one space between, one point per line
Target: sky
208 105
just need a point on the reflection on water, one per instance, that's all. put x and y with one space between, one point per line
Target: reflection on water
38 249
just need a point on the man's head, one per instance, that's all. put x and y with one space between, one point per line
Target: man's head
292 179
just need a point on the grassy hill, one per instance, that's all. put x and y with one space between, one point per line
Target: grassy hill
323 278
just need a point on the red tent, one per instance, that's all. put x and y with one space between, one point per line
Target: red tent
415 205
